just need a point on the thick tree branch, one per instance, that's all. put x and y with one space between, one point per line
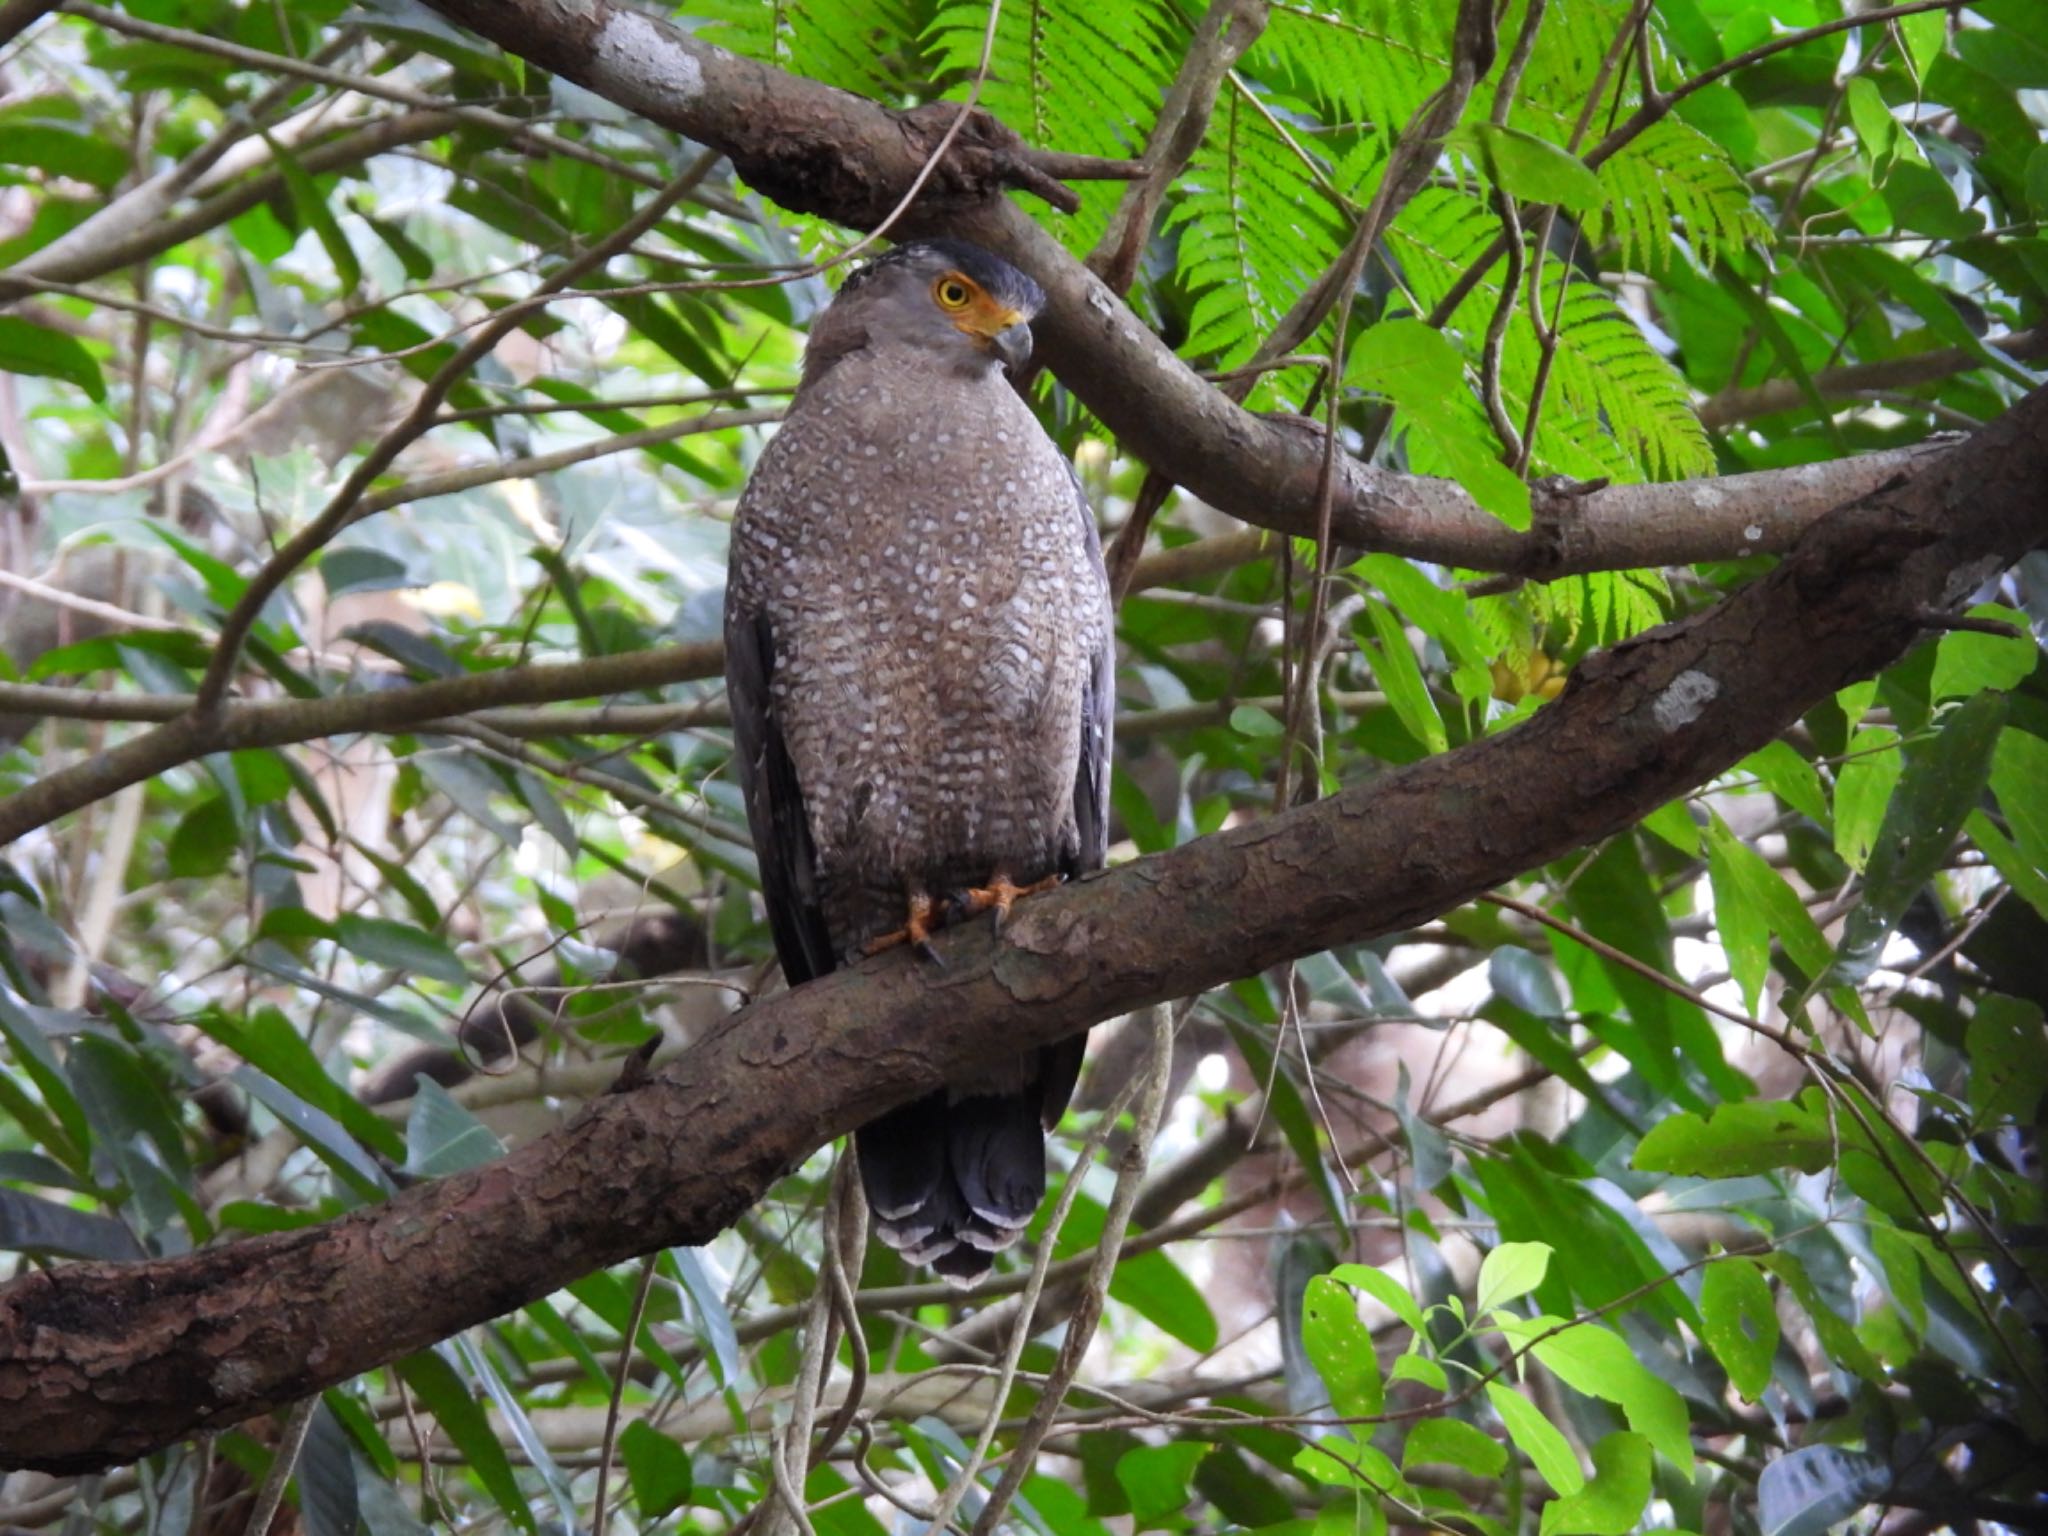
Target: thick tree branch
100 1363
820 150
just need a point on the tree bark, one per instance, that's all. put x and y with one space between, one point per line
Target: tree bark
101 1363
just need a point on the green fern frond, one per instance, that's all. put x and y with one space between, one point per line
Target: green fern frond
1670 174
1078 75
1606 370
1255 230
857 45
1365 63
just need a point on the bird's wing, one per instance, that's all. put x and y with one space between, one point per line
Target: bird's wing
775 801
1060 1063
1098 716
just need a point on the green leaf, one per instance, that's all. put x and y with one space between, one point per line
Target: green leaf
382 941
2028 877
1454 1443
442 1137
1415 367
1938 789
46 354
2008 1059
1612 1499
1736 1139
1163 1295
1383 1288
2019 770
1863 788
1419 1368
657 1467
1537 1438
1967 663
1752 904
711 1320
1510 1270
1342 1350
1877 130
32 1225
461 1417
1400 677
1814 1489
1739 1323
62 151
1537 171
310 204
352 569
1156 1477
327 1477
1601 1363
1254 721
204 842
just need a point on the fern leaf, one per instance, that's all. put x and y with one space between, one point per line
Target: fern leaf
1254 228
1079 75
1674 174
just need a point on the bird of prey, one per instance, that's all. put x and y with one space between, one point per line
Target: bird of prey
919 661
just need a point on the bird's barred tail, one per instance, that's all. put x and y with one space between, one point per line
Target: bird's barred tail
952 1184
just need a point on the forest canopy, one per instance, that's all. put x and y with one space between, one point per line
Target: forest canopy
1569 1051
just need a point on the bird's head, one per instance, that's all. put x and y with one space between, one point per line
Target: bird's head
972 309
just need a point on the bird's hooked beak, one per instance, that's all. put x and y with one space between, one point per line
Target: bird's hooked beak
1013 345
1002 331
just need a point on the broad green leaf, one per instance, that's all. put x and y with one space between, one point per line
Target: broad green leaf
2027 877
657 1467
204 842
1455 1443
1415 367
327 1477
1600 1363
1812 1490
1510 1270
1613 1498
30 1224
1938 789
1156 1478
1863 788
711 1317
447 1397
1255 721
1739 1323
1342 1350
62 151
1790 777
1735 1139
404 948
442 1137
1419 1368
1537 171
1877 131
1967 663
1395 669
1163 1295
1537 1438
1384 1289
2019 778
1752 904
2008 1053
30 349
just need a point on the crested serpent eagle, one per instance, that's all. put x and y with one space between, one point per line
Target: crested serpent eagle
919 659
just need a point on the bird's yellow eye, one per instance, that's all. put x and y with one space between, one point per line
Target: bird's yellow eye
952 292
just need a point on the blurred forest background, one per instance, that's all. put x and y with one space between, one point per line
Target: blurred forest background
1692 1184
